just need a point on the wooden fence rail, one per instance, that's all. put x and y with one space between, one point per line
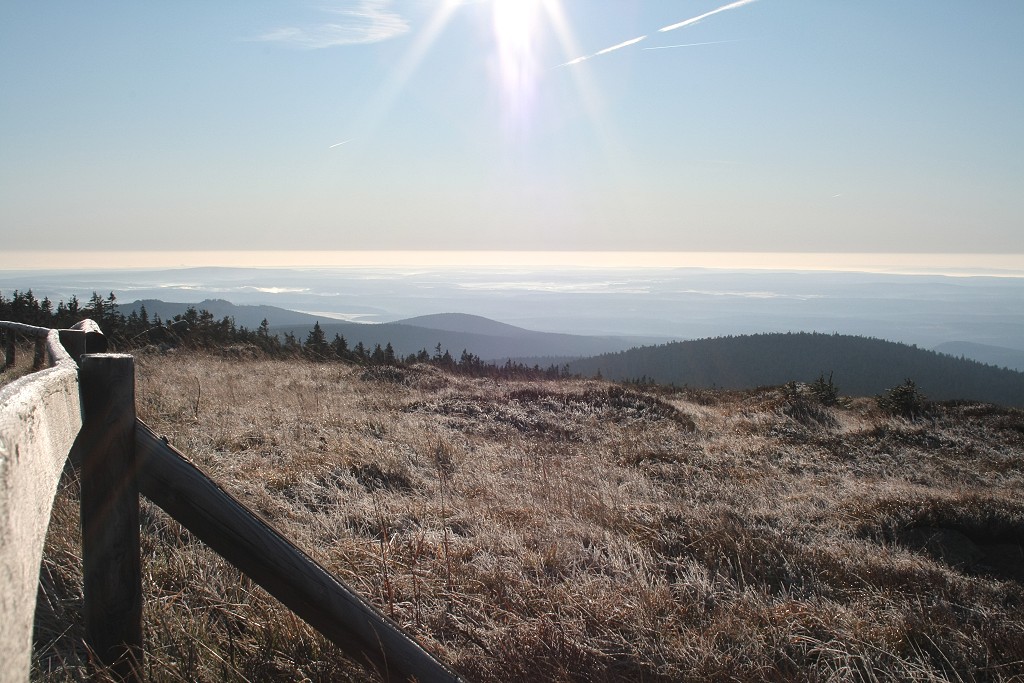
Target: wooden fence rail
40 417
89 412
269 559
84 337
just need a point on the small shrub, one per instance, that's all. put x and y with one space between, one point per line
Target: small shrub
801 403
904 400
824 390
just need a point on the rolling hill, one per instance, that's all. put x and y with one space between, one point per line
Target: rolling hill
249 316
860 366
465 323
488 339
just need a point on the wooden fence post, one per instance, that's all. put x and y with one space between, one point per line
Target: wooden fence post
110 513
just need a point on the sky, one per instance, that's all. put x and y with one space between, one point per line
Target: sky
525 125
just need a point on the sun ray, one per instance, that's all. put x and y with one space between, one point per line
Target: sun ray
591 96
389 91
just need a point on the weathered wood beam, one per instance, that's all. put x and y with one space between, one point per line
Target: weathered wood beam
40 416
83 337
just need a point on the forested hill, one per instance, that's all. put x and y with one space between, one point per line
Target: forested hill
249 316
860 366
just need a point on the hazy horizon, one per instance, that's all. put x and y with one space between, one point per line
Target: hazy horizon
926 307
969 264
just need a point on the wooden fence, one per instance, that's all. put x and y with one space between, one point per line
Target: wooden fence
86 409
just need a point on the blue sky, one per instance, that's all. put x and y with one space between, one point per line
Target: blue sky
771 125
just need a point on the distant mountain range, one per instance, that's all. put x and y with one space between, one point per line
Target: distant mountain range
249 316
668 303
489 339
859 366
486 338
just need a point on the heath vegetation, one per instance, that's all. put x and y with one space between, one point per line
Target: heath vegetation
577 530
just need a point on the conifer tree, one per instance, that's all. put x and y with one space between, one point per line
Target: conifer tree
340 347
291 344
316 345
377 358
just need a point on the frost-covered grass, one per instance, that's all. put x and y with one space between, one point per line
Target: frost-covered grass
576 530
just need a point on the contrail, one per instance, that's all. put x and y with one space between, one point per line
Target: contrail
669 47
621 45
681 24
690 22
339 144
605 51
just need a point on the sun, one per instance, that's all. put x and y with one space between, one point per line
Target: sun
518 34
516 22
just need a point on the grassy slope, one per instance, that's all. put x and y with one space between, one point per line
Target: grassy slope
570 531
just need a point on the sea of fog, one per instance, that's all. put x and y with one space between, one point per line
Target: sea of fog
923 308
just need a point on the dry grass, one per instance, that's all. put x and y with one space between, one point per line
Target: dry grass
576 531
24 352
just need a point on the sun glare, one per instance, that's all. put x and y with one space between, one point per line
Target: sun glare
517 29
515 21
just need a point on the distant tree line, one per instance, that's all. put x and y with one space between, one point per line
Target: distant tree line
199 329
